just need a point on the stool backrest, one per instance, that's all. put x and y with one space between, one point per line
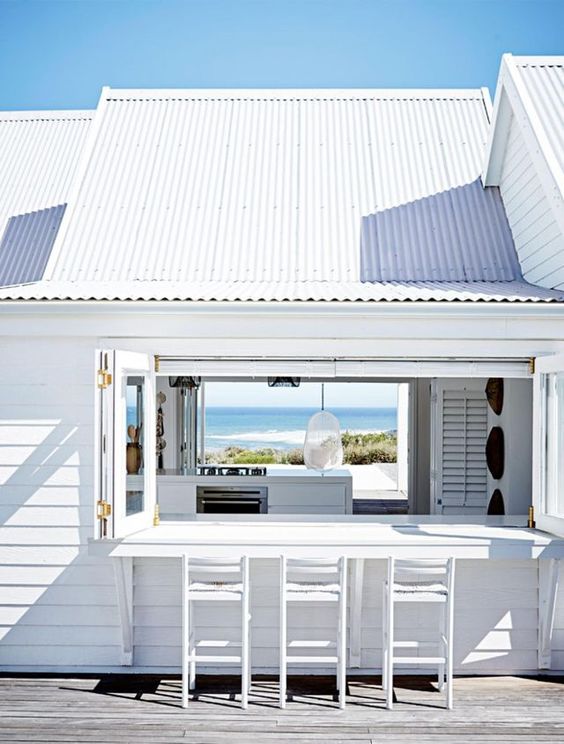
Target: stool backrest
402 570
328 570
207 569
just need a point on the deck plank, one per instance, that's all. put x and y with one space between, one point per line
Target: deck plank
139 708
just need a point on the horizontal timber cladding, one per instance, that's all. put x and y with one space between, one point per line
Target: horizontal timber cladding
495 616
537 236
57 604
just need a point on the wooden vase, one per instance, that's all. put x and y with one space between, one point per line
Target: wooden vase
133 458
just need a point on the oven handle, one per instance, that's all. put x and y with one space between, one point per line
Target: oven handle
230 501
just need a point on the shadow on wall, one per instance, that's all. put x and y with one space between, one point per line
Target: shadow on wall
57 604
459 235
27 243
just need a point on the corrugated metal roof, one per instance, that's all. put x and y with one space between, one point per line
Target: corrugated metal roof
284 196
457 235
273 291
26 245
543 78
263 186
39 151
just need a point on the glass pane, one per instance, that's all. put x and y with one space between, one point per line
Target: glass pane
554 469
134 436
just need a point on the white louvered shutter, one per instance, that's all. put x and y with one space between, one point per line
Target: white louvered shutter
459 467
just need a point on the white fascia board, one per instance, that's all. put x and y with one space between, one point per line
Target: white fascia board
499 131
419 309
511 89
149 94
539 60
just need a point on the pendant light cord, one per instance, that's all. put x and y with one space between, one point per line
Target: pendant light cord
322 396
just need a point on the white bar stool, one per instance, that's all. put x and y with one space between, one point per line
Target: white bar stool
299 583
419 581
204 579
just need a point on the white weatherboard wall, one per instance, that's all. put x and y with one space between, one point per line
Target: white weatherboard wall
58 608
57 604
538 238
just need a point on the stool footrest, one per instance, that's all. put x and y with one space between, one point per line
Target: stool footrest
311 597
223 659
419 660
312 659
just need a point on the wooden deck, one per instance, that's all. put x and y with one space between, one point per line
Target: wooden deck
147 709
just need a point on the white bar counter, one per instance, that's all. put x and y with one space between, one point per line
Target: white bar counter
267 536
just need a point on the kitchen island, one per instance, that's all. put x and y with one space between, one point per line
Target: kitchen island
290 490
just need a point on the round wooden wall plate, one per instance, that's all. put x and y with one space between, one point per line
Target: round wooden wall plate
496 507
495 452
494 394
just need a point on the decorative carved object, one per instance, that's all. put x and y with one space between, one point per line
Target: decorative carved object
161 443
495 452
496 507
494 394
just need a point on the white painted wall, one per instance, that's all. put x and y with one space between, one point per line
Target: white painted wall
537 236
516 421
57 604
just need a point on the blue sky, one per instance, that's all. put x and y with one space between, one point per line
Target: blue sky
57 53
307 395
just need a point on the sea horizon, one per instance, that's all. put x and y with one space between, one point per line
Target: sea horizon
256 427
276 427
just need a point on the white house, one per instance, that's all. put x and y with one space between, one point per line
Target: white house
407 235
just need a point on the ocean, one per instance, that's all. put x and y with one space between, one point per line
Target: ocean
280 428
284 428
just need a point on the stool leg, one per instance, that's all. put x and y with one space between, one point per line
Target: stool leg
185 631
283 639
450 648
191 646
245 678
342 637
443 645
390 652
384 638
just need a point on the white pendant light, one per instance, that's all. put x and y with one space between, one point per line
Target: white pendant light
323 448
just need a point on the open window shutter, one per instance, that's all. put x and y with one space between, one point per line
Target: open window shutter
459 461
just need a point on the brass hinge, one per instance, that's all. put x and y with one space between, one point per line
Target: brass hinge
157 363
157 516
103 509
103 379
532 365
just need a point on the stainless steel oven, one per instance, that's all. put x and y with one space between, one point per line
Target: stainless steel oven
232 499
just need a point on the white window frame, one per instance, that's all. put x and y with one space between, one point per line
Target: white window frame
543 367
110 427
